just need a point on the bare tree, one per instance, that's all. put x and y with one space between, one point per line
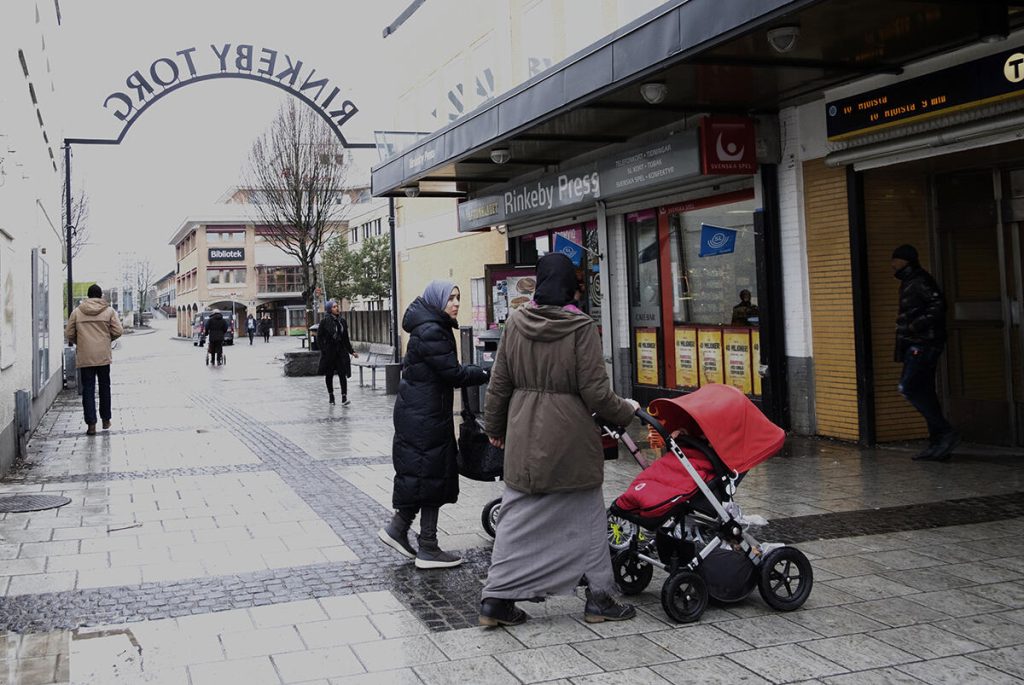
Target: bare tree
79 219
144 279
296 176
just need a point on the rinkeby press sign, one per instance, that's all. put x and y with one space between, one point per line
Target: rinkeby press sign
226 254
672 160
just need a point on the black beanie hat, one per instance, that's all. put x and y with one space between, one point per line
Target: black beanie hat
905 252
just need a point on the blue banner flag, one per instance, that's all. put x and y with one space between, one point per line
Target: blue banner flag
570 249
715 240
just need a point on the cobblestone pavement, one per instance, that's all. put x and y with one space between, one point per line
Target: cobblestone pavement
224 530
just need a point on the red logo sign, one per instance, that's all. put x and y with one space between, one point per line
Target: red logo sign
727 146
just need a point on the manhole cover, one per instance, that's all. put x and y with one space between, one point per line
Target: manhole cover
18 503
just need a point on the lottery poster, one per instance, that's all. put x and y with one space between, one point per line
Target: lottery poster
687 375
737 359
709 347
647 356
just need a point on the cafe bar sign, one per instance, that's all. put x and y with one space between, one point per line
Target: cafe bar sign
964 86
675 159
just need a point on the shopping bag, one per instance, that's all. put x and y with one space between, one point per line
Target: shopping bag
477 459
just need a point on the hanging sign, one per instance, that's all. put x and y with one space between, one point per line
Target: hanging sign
755 349
737 359
716 240
709 347
727 146
647 356
570 249
687 375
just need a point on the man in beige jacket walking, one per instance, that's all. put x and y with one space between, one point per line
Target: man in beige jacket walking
91 328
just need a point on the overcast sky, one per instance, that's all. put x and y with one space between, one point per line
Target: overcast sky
191 145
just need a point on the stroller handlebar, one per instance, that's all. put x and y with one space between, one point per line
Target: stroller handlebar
655 424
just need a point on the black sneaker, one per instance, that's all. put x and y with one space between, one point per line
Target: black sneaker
345 401
397 541
330 399
603 607
926 454
501 612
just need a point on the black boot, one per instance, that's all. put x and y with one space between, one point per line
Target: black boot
602 607
330 398
429 554
501 612
396 535
432 556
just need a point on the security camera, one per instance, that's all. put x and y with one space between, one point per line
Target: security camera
783 38
501 155
653 93
412 191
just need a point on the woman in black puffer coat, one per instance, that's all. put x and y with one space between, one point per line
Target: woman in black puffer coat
425 447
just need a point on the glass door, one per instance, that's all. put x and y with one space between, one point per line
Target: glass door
979 282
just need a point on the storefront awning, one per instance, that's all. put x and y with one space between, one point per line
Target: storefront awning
713 56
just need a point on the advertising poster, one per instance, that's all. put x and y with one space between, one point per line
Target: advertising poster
755 350
647 356
519 290
709 347
737 359
687 375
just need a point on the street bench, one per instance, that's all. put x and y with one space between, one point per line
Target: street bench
379 356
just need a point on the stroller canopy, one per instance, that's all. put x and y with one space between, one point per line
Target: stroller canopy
735 428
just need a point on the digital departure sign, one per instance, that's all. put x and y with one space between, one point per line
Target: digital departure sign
972 84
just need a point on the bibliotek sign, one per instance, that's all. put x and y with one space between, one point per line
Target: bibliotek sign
226 254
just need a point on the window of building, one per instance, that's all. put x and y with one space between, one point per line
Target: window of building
213 236
225 276
280 279
353 236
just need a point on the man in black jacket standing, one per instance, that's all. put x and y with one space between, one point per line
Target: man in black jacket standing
920 338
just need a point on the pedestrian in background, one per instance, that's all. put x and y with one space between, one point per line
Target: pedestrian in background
920 339
265 328
250 327
91 328
547 380
335 349
745 311
424 449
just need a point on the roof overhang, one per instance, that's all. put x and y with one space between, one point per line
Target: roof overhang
713 56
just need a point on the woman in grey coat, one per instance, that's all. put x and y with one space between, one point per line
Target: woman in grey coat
548 378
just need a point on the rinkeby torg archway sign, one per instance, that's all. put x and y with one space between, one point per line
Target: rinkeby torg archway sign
166 74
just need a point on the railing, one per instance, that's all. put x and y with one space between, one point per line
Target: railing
369 326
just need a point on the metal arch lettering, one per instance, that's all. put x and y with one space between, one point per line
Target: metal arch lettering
137 112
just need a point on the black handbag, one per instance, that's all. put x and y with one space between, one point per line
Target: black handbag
477 459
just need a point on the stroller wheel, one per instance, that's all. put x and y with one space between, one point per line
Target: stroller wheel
631 574
785 578
489 516
620 532
684 596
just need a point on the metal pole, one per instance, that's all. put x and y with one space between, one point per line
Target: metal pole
394 281
68 228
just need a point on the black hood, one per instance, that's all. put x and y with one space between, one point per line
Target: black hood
419 313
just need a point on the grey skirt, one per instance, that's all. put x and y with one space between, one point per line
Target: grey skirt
544 545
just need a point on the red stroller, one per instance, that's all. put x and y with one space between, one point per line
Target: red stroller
678 513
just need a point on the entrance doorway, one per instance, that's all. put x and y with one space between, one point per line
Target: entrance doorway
979 219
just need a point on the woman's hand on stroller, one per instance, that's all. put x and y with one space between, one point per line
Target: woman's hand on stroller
634 404
497 442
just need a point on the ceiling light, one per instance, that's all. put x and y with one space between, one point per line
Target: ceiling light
501 155
783 38
654 93
412 191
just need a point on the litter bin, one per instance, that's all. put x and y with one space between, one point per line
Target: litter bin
312 337
486 348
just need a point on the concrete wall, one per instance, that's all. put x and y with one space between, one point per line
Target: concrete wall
31 178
